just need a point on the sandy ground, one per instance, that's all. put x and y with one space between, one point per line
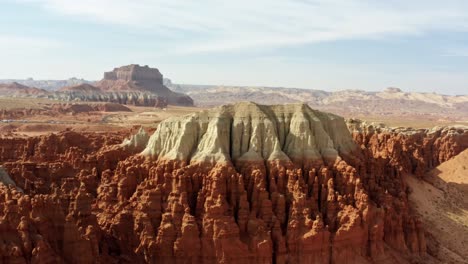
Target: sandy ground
147 117
412 121
441 199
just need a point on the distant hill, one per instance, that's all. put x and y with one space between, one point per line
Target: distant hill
50 85
15 89
390 102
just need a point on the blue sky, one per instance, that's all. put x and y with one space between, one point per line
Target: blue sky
334 44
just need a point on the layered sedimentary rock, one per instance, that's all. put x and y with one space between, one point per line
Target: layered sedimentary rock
242 183
127 97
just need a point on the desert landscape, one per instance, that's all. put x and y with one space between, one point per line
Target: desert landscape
233 132
125 174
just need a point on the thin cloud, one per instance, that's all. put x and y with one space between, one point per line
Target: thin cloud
218 26
14 42
458 52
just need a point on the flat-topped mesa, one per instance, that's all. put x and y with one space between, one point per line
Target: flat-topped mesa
134 78
146 81
134 72
251 132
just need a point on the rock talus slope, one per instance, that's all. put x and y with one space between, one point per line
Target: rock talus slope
241 183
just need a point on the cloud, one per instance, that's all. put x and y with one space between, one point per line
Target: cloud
218 26
457 52
16 42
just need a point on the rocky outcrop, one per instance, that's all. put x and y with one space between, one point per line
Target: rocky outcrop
408 150
242 183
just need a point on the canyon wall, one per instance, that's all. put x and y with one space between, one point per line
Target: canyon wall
243 183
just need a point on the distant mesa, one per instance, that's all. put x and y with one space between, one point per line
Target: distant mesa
133 77
393 90
136 78
130 85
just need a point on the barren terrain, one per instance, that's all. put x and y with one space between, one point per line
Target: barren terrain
238 183
441 199
44 118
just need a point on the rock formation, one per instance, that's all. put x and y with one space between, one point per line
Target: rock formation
408 150
130 85
242 183
140 81
136 98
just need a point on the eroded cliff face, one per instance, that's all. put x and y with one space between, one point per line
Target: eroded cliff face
406 150
237 184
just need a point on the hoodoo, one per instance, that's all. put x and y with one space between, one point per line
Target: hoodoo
243 183
272 184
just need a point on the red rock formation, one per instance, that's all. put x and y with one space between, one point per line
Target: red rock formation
89 199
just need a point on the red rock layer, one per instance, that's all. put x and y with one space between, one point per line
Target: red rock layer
84 202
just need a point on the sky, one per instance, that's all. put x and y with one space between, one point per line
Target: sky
416 45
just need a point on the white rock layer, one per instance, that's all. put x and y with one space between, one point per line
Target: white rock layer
252 132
